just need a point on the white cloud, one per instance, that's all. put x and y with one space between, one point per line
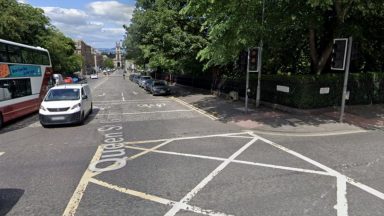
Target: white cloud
67 16
112 11
100 25
22 1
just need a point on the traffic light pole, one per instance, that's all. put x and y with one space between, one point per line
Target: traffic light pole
247 84
346 79
259 75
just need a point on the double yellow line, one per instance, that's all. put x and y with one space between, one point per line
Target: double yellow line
203 112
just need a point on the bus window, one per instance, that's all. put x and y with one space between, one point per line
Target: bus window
3 53
15 88
14 54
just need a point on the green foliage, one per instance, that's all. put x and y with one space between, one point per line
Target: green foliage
61 49
21 22
164 38
28 25
109 63
297 35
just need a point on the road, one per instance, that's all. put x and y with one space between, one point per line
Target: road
139 154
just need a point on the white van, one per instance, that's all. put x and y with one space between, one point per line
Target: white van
66 104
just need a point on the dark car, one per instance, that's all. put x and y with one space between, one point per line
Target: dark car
148 84
136 79
160 87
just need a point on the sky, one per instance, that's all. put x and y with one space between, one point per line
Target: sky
98 23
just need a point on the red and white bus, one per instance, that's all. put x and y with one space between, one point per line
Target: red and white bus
25 72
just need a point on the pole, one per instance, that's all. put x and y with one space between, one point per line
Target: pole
346 79
247 84
259 75
258 89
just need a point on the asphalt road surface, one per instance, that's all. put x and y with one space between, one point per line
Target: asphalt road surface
139 154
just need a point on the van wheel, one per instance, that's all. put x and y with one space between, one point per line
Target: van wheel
1 121
44 125
91 111
81 122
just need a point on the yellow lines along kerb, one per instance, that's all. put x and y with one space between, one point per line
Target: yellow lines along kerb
203 112
74 202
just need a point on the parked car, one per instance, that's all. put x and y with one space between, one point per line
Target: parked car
94 76
66 104
136 79
147 84
142 80
160 87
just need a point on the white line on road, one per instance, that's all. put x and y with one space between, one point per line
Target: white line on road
156 199
1 153
176 208
131 101
135 93
149 150
122 96
138 113
234 161
100 83
342 202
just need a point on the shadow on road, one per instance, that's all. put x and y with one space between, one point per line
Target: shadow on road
8 199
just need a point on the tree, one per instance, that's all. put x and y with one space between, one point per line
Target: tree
62 51
109 63
162 37
28 25
297 35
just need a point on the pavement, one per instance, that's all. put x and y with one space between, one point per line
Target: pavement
280 120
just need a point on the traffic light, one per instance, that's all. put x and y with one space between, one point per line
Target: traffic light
253 59
339 53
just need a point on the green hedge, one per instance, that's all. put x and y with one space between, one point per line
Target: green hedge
304 90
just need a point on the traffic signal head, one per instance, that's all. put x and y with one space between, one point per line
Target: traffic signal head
339 53
253 59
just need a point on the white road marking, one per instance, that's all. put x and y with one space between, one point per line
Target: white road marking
100 83
122 96
1 153
342 203
132 101
158 105
139 113
312 134
101 95
156 198
203 112
74 202
187 138
135 93
234 161
150 150
177 207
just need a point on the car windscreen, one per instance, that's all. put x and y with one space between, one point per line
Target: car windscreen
63 94
145 78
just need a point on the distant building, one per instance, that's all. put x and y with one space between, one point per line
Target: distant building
117 61
92 58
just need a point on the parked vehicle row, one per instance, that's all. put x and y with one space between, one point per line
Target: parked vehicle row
155 87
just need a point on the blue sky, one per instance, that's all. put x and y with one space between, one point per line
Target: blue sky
98 23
